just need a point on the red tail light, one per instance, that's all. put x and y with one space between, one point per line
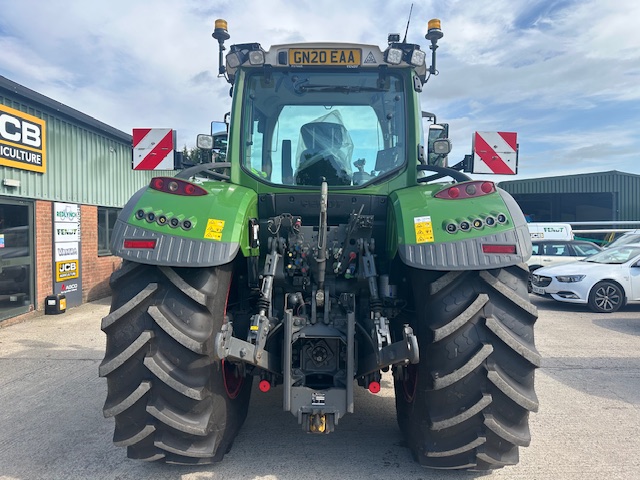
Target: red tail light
176 187
472 189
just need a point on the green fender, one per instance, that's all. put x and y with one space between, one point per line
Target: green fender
186 231
419 236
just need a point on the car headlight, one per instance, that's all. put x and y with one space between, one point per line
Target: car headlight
570 278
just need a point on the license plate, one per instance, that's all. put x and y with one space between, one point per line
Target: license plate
325 56
537 290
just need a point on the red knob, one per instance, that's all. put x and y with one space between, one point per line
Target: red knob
265 386
374 387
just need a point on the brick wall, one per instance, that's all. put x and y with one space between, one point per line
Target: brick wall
95 270
43 251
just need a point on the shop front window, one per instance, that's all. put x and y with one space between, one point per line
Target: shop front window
106 222
16 258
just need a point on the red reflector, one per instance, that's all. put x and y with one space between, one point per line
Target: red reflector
488 187
264 386
148 244
510 249
374 387
157 183
470 189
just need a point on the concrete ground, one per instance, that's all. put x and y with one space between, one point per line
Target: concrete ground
588 426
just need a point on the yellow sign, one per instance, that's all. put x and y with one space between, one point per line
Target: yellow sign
423 228
214 229
67 270
22 140
344 57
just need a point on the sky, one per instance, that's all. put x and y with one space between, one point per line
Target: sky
563 74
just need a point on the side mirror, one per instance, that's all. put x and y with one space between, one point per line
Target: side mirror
218 127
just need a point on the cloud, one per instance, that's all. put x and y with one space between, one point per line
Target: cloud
563 74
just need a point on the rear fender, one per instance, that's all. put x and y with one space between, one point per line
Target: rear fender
207 230
420 238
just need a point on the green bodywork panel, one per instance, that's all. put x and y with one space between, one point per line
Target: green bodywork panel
220 216
416 216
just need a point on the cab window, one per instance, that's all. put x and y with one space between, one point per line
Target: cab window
348 128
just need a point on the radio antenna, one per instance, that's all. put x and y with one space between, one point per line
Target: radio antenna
409 20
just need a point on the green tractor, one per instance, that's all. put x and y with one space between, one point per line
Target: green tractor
332 247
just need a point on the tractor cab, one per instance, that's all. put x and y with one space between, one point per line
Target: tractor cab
346 114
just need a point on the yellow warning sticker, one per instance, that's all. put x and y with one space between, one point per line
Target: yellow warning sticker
423 228
214 229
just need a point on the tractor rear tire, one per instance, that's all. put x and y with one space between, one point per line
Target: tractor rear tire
172 401
466 404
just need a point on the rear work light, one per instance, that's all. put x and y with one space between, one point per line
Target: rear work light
149 244
505 249
472 189
176 187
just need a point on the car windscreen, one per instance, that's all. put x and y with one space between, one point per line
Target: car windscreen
615 256
586 249
626 239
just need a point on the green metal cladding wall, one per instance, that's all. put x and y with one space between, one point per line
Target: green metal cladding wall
625 185
84 164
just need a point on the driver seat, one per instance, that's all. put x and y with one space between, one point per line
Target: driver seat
323 157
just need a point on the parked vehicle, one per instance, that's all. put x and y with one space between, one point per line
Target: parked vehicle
555 252
628 237
550 231
332 249
604 281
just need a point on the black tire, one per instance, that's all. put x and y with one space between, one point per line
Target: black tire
172 401
466 404
606 297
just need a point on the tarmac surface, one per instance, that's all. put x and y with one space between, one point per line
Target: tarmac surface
588 426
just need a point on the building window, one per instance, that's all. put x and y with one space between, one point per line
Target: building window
106 222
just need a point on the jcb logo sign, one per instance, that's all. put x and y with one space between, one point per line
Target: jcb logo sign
22 140
66 270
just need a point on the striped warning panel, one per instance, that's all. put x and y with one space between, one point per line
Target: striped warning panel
495 152
153 148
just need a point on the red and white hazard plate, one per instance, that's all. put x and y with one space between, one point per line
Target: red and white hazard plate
495 152
153 149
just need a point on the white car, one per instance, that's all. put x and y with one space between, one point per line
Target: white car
604 281
553 252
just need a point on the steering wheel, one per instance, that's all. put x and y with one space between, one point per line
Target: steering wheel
441 172
208 168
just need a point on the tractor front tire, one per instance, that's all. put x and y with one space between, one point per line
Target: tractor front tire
466 404
171 399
